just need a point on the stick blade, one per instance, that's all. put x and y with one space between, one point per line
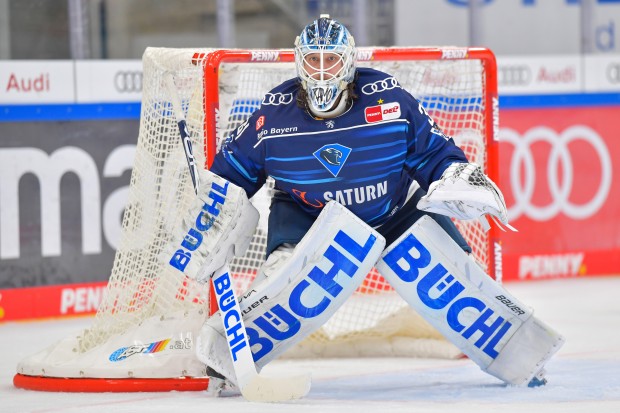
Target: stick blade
267 389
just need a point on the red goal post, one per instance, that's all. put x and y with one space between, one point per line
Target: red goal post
144 334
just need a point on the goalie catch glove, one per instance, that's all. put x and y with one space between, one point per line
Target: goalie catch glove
465 192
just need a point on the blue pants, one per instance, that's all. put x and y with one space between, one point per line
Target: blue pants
288 223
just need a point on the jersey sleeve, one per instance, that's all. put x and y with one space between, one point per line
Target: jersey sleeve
429 150
241 159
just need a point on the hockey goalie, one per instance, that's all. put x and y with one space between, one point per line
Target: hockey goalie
363 178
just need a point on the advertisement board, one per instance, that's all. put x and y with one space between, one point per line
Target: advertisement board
559 174
25 81
63 189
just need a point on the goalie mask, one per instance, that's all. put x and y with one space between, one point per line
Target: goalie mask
325 61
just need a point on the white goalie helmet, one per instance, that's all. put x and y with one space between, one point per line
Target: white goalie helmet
325 61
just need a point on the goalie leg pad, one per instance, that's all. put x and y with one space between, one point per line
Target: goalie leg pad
448 289
326 267
219 224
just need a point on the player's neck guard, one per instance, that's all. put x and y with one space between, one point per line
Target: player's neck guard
340 106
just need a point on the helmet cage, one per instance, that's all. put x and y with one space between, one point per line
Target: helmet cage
325 61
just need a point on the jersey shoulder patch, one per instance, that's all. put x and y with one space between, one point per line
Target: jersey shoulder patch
372 82
283 94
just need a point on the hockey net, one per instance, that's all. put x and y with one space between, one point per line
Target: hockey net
144 331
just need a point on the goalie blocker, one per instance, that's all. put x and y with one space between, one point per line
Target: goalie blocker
220 223
447 288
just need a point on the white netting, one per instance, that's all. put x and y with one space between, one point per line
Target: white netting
140 285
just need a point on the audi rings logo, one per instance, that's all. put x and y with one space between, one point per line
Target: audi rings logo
128 82
613 72
514 75
380 86
277 99
560 172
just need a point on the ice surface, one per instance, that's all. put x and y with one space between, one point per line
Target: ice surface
583 377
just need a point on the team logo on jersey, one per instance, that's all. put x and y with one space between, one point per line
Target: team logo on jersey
302 195
260 122
385 111
330 124
333 157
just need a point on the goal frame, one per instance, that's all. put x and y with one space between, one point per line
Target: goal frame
211 62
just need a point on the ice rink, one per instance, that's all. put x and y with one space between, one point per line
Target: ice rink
583 377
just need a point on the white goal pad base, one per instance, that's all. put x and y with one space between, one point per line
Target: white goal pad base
160 347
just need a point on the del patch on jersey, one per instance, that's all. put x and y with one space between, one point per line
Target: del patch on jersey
382 112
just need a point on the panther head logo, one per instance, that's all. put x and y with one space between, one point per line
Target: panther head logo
331 155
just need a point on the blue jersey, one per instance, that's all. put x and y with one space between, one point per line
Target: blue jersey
365 158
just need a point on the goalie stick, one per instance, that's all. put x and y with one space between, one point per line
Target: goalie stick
185 138
252 386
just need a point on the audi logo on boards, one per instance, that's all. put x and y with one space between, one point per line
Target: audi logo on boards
514 75
613 72
128 82
561 169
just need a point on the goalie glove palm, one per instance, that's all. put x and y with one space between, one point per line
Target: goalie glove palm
465 192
